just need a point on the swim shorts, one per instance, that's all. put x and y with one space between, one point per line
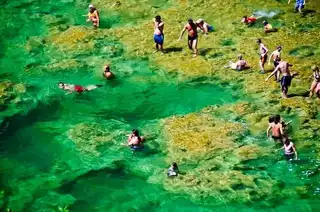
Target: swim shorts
289 156
286 81
192 38
136 147
79 88
210 28
275 63
276 137
158 39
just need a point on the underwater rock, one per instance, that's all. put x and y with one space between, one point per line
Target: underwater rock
34 44
9 93
67 64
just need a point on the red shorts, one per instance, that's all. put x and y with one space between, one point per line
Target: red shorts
79 88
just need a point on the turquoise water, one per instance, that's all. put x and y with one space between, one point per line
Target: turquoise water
62 150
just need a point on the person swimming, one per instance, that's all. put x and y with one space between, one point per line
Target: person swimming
240 65
76 88
173 170
315 85
249 20
135 141
191 27
276 127
93 16
158 35
290 151
204 26
107 73
268 27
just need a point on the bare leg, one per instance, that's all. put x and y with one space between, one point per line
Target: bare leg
284 91
261 63
195 47
92 87
161 48
312 88
190 44
277 75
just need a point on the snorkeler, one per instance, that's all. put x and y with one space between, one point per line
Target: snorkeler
290 151
263 55
135 140
249 20
240 65
204 26
300 4
286 77
93 16
107 73
276 127
173 170
315 86
76 88
158 35
192 36
276 56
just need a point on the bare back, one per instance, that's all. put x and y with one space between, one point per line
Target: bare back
158 28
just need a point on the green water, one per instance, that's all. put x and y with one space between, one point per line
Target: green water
47 160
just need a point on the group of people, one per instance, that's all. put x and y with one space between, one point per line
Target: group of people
279 134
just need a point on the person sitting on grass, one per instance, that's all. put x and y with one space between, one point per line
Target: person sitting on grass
240 65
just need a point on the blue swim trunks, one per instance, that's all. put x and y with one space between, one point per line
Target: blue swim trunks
210 29
158 39
299 4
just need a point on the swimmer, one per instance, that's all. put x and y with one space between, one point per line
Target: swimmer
204 26
276 56
93 16
158 35
76 88
276 127
300 4
249 20
315 85
192 36
290 151
286 77
107 73
263 55
268 27
240 65
135 140
173 170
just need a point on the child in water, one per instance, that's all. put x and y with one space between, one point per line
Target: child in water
173 170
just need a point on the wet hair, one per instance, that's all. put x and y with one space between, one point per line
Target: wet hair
277 119
240 57
265 23
158 18
279 47
315 68
286 140
107 68
278 58
135 132
259 40
61 83
175 165
271 119
190 21
245 17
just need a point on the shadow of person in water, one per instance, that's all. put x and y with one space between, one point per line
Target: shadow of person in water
303 94
173 49
308 11
204 51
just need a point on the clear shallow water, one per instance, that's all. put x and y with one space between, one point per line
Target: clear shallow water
46 156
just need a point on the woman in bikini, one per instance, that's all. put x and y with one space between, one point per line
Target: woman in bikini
315 86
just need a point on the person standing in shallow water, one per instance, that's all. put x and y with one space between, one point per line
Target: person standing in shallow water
158 35
289 148
263 55
276 57
286 77
276 127
299 5
173 170
93 16
315 85
192 36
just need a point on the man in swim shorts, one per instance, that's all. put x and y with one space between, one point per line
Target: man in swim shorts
263 54
93 16
191 27
76 88
286 77
300 4
158 35
276 127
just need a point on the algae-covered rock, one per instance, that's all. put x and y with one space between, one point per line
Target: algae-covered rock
67 64
10 93
34 44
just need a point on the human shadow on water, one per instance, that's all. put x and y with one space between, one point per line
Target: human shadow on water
307 11
173 49
204 52
303 94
